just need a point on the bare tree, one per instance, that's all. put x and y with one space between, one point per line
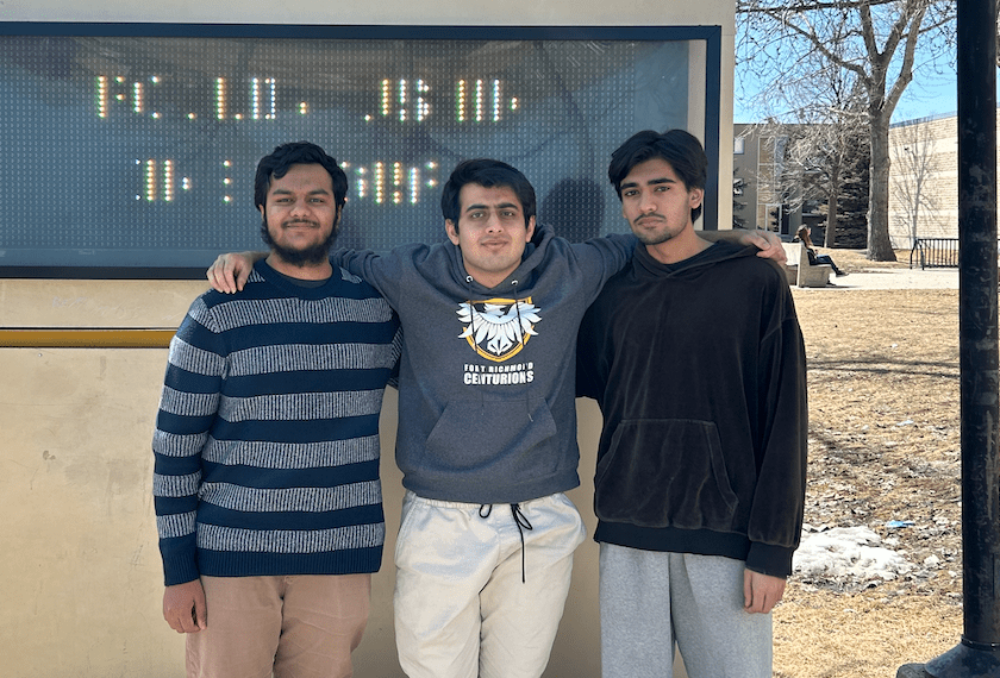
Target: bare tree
829 116
875 40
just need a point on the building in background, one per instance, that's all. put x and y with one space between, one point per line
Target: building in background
923 180
787 175
762 195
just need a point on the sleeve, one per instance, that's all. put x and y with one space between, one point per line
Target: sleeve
397 350
188 404
381 271
776 516
601 258
591 361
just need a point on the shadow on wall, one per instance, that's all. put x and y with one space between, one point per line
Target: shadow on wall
574 208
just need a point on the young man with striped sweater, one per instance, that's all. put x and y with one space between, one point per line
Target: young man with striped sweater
266 484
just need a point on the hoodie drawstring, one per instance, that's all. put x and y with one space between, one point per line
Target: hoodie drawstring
520 520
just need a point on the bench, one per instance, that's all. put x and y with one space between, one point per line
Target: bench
812 275
798 270
791 261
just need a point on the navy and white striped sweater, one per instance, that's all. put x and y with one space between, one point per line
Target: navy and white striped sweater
266 445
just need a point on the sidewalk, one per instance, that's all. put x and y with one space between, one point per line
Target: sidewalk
892 279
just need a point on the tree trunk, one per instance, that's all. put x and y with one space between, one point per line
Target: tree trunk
879 245
831 211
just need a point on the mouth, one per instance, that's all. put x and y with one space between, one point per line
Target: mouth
299 224
648 219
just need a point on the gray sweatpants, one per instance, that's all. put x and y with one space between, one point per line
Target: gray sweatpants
651 601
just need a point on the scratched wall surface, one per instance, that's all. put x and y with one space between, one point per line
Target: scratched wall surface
126 304
81 557
81 575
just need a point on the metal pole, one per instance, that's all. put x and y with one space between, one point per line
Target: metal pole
979 652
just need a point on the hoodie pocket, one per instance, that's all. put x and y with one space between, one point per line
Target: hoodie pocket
665 473
511 438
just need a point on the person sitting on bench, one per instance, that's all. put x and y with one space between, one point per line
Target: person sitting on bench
815 259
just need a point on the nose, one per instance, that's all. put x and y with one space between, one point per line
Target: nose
646 204
300 207
493 223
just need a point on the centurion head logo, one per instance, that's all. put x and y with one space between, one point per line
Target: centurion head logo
498 329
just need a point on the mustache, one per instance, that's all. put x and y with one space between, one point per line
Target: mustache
651 215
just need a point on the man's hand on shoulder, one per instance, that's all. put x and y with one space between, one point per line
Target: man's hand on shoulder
229 272
761 592
768 243
184 607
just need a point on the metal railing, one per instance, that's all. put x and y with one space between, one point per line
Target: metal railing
935 253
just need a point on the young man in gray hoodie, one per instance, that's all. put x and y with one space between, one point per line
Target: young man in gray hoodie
487 424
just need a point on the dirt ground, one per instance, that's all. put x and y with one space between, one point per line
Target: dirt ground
883 446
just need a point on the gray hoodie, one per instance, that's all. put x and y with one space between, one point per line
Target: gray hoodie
487 408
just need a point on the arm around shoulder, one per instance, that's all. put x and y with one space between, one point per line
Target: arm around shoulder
767 242
229 272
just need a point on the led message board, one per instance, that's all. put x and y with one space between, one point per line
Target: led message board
131 149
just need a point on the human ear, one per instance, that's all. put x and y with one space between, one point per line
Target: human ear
452 230
530 231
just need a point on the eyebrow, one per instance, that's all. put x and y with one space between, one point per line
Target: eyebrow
503 205
651 182
316 191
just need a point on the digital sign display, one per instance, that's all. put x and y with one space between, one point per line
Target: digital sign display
132 154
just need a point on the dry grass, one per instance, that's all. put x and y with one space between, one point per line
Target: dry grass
884 445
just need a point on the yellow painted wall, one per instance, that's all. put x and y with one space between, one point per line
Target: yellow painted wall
80 582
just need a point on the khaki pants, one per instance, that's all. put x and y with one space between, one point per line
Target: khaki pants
296 626
461 607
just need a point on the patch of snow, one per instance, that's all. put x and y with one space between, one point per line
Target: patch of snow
847 554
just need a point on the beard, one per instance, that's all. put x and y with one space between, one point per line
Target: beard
654 237
315 254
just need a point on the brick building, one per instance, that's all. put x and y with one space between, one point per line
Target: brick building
923 180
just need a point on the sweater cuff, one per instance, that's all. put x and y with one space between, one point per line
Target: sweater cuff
180 560
775 561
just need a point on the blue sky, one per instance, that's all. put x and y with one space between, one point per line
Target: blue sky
933 91
930 94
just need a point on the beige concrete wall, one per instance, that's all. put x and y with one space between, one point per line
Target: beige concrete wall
928 148
924 152
391 12
82 583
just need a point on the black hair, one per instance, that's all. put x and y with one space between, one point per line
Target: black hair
276 165
677 147
488 174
